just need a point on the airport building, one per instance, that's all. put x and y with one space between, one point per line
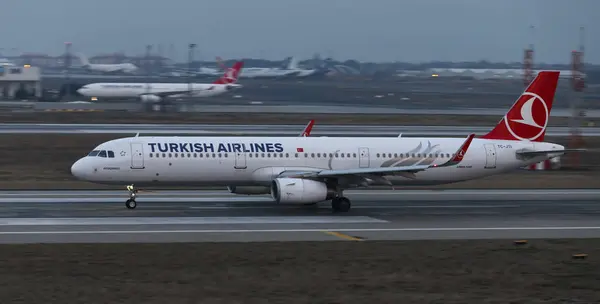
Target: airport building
20 82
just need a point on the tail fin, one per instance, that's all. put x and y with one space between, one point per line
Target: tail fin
220 63
528 117
83 59
293 64
232 74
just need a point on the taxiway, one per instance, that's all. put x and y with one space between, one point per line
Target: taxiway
264 130
217 216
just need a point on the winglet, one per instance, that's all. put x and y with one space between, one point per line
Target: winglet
307 129
458 156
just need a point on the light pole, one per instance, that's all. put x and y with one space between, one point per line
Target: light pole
190 59
67 64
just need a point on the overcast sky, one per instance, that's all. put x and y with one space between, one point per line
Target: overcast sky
374 30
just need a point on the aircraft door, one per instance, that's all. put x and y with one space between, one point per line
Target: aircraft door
240 160
363 157
490 156
137 156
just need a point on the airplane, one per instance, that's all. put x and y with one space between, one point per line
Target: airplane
300 72
309 170
201 71
106 68
291 70
156 92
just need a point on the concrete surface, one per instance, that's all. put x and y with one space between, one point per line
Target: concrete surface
75 217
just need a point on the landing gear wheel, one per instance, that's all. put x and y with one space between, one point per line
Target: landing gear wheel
130 204
341 204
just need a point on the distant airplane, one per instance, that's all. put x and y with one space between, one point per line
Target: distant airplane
106 68
6 62
308 170
156 92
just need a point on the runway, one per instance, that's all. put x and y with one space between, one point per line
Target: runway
217 216
264 130
305 107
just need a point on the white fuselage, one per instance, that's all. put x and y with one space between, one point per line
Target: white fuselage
128 90
258 160
267 72
120 67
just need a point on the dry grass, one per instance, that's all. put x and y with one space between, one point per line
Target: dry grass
260 118
304 272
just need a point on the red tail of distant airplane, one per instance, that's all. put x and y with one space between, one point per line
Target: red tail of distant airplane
231 75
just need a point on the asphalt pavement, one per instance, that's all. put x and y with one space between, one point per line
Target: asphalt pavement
217 216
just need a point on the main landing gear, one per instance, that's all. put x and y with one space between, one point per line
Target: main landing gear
130 203
340 204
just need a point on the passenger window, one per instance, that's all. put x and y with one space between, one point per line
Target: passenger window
102 153
111 154
93 153
150 155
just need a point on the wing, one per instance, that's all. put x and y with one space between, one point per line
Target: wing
170 93
458 157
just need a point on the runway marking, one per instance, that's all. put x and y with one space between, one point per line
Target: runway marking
343 236
360 207
106 221
288 230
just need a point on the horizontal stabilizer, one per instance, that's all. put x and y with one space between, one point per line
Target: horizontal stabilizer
540 153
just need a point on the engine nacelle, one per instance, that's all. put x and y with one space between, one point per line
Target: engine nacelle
149 98
299 191
249 190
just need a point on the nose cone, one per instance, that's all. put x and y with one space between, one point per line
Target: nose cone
78 169
81 91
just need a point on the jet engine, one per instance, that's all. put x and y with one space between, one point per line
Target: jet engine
149 98
299 191
249 190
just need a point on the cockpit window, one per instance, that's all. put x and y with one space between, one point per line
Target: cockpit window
102 153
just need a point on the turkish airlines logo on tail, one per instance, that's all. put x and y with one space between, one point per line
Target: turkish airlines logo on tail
230 75
528 118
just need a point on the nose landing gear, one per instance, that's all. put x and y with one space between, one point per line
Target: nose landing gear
130 203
